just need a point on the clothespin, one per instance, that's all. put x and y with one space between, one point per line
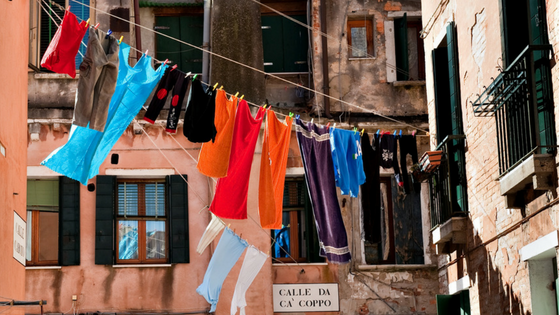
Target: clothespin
109 32
311 120
242 96
68 9
297 116
328 124
413 132
120 40
264 106
236 93
96 26
215 85
87 23
195 77
146 53
400 132
291 115
334 125
268 253
165 62
362 133
355 130
221 87
395 133
228 225
174 67
187 75
378 131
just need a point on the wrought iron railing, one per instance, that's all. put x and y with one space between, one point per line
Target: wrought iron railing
448 189
521 99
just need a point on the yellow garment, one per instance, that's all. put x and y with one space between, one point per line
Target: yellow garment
213 159
274 159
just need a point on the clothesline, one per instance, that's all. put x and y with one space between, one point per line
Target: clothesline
250 67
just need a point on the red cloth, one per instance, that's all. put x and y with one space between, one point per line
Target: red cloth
60 56
230 200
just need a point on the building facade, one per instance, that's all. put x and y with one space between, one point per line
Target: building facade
492 91
375 81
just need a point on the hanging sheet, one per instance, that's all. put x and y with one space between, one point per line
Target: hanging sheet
230 200
252 264
314 144
347 159
212 230
371 190
81 157
274 159
229 249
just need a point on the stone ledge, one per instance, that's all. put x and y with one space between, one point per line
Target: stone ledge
395 267
453 230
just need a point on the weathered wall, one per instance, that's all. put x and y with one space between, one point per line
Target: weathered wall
14 29
498 278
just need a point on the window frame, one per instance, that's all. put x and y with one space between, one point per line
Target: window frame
141 219
354 22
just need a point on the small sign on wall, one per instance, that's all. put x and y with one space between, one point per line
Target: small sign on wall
314 297
19 238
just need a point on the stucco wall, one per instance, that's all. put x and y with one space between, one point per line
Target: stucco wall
14 29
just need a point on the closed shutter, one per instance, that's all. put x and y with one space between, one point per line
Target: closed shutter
48 26
167 48
188 29
69 222
104 219
401 48
295 43
273 43
447 305
454 88
82 13
178 207
465 303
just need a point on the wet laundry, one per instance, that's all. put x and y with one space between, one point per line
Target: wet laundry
230 199
213 160
314 143
371 190
60 56
199 124
98 79
274 160
347 161
252 264
388 151
173 82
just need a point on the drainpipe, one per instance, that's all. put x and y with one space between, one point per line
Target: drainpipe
326 100
206 40
137 29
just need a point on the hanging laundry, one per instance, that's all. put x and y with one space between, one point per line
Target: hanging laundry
229 249
230 200
347 159
388 151
173 81
407 145
274 159
212 230
371 190
60 56
213 160
199 124
315 150
97 82
252 264
81 157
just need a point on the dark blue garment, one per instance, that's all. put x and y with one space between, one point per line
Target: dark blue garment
315 147
347 158
86 149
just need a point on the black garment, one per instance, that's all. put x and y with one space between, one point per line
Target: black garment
371 190
199 117
172 79
388 151
407 145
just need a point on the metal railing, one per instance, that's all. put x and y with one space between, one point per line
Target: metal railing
448 189
521 99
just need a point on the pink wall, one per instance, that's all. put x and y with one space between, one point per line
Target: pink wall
14 26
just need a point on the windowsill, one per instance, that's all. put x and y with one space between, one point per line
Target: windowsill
295 265
42 267
288 73
395 267
409 83
143 266
365 58
50 76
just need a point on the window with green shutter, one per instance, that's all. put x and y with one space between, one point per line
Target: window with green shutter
409 49
285 44
187 28
458 304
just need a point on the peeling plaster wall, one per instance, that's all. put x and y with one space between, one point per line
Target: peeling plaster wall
499 280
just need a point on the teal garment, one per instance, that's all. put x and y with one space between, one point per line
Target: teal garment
229 249
86 149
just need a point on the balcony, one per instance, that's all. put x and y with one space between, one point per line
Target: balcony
448 194
521 100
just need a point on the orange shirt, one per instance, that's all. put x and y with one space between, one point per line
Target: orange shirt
274 159
213 159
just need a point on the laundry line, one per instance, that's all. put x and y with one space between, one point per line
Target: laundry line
252 68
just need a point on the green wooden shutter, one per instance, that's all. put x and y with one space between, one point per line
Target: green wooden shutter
273 43
295 43
69 222
448 304
465 303
48 26
104 219
167 48
401 48
441 92
191 32
178 207
454 87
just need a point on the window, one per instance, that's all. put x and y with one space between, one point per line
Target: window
188 28
141 221
409 49
458 304
285 44
360 38
298 236
53 222
400 213
42 28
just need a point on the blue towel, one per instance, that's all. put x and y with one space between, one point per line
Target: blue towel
347 159
229 249
86 149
